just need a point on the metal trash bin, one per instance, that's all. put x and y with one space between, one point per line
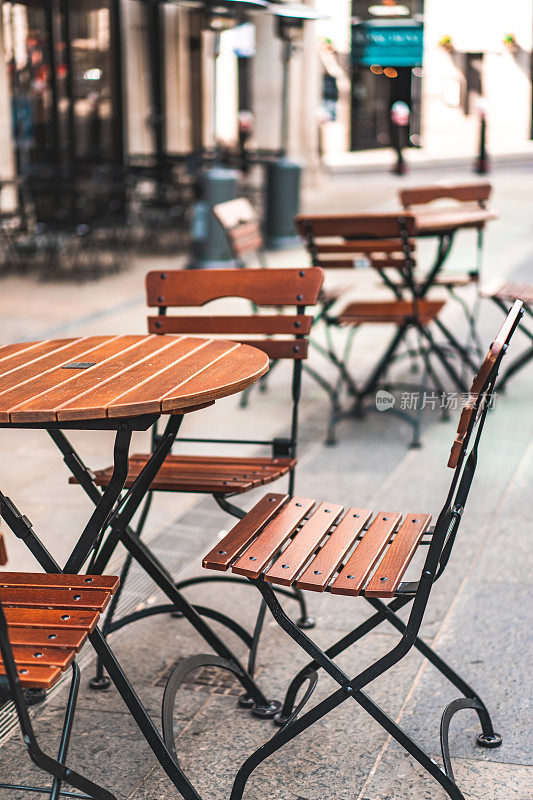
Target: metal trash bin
282 203
210 248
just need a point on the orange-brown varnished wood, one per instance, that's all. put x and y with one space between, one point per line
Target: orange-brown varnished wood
354 225
62 618
325 563
433 223
35 676
273 536
47 580
388 575
297 553
3 550
29 597
48 637
44 656
354 574
390 311
267 324
125 375
265 287
233 544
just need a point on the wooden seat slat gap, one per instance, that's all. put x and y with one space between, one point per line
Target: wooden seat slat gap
388 575
52 581
40 637
140 378
50 657
58 598
104 371
36 676
38 617
203 355
360 564
321 569
272 538
303 544
244 532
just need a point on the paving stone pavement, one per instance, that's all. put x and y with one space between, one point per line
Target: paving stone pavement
478 616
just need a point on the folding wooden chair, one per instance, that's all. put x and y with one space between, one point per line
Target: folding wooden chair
45 620
465 201
284 542
385 243
226 477
510 291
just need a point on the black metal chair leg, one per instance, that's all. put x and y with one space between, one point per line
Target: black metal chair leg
67 727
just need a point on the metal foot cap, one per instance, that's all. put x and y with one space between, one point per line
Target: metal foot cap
245 701
100 684
305 623
489 741
266 712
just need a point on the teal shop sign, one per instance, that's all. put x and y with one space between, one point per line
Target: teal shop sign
388 45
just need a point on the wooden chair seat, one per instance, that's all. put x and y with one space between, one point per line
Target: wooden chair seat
205 474
390 311
49 618
297 542
515 291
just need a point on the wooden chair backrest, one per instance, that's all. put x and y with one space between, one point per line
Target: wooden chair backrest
241 226
348 240
482 382
273 288
477 193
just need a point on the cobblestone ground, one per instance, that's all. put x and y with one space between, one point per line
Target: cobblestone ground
477 617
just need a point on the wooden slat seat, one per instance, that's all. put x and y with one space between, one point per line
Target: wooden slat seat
390 311
324 547
205 474
49 618
515 291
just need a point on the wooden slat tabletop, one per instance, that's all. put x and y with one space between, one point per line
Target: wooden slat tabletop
447 220
98 377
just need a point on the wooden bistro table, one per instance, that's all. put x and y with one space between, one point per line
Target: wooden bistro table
443 224
123 384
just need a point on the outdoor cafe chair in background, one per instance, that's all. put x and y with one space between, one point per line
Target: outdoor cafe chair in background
358 553
384 242
440 211
45 620
226 477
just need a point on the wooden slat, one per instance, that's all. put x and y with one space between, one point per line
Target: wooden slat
265 287
429 223
44 656
54 598
229 373
48 353
363 246
10 351
47 637
37 677
479 384
364 226
355 572
3 550
143 380
390 311
59 581
110 364
389 573
221 325
233 544
71 619
277 349
462 192
324 565
274 535
303 545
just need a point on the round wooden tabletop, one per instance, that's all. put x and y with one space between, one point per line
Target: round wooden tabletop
100 377
436 222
